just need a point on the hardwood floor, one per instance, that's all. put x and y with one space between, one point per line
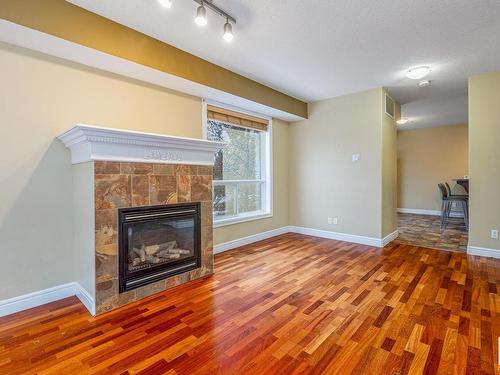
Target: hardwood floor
292 304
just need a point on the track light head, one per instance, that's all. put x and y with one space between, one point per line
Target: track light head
228 32
201 15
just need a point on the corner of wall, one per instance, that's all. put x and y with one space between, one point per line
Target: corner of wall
389 168
84 239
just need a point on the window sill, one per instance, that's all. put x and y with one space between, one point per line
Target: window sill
241 219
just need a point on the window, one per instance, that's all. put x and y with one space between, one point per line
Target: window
241 182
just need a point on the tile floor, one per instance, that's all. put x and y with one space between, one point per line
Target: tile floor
425 231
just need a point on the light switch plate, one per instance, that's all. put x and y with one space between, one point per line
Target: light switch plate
355 157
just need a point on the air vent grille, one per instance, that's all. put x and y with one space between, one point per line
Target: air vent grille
389 106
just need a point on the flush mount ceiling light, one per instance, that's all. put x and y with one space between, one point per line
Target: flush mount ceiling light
165 3
418 72
402 121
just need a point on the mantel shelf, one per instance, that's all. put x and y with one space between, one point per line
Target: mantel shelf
88 143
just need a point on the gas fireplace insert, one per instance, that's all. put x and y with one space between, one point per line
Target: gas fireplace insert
156 242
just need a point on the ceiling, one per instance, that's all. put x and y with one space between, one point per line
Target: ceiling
432 112
319 49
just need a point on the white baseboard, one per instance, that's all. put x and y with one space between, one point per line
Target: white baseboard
85 298
370 241
248 240
483 251
27 301
390 237
420 211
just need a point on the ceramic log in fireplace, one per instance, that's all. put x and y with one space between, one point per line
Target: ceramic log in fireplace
157 242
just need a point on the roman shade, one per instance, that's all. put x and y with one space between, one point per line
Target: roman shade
236 118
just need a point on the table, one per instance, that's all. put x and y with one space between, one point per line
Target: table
464 182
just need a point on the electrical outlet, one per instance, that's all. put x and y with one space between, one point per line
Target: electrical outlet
355 157
494 234
330 220
335 221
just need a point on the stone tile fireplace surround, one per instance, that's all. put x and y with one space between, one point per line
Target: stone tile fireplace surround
133 169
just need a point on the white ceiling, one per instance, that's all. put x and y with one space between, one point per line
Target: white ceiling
319 49
433 112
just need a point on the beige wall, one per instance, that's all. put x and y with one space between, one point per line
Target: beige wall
40 98
484 159
324 181
427 157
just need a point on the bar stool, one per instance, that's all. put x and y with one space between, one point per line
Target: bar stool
446 203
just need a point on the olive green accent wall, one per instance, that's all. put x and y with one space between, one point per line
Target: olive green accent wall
67 21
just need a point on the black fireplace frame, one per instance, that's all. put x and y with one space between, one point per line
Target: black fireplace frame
126 216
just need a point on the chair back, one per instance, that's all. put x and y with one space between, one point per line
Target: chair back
444 191
448 188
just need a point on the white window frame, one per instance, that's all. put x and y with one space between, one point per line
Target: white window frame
266 169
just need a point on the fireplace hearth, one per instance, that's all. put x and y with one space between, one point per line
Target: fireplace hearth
157 242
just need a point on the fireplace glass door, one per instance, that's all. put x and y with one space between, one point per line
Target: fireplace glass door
158 242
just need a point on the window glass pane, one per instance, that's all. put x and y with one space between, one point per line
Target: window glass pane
241 158
224 200
250 197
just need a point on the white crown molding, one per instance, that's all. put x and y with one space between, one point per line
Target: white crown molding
89 143
41 297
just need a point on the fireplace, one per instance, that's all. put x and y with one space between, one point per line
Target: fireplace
157 242
151 199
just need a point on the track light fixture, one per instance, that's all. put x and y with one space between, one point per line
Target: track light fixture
166 3
201 15
228 32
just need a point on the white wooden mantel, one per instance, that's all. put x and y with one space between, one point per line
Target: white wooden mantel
89 143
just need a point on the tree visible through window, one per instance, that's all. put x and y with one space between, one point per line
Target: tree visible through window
238 177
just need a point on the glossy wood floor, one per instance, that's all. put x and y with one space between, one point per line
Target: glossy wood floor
289 305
